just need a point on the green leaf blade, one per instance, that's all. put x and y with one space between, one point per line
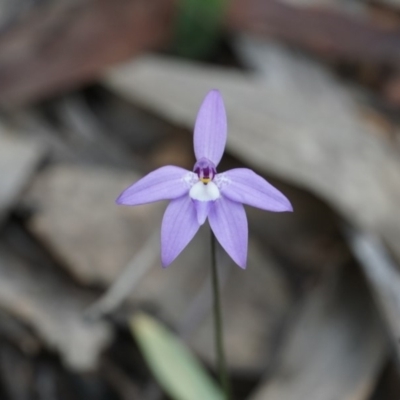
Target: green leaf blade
174 366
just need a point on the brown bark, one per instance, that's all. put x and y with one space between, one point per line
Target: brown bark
62 47
327 32
73 42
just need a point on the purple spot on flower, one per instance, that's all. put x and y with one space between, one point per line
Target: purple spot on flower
205 170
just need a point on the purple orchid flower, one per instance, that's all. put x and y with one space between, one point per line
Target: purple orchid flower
201 194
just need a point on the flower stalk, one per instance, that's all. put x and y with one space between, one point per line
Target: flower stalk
218 327
203 195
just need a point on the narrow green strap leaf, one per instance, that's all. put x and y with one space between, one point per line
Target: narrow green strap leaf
198 27
175 368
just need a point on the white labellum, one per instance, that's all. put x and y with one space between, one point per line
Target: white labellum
202 192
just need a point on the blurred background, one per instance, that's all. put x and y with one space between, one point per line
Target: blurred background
96 93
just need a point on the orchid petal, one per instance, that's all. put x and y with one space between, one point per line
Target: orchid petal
162 184
202 210
179 225
228 221
210 130
245 186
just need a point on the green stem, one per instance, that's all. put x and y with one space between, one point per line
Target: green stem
218 331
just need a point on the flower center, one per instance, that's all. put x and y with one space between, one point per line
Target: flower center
205 170
205 189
